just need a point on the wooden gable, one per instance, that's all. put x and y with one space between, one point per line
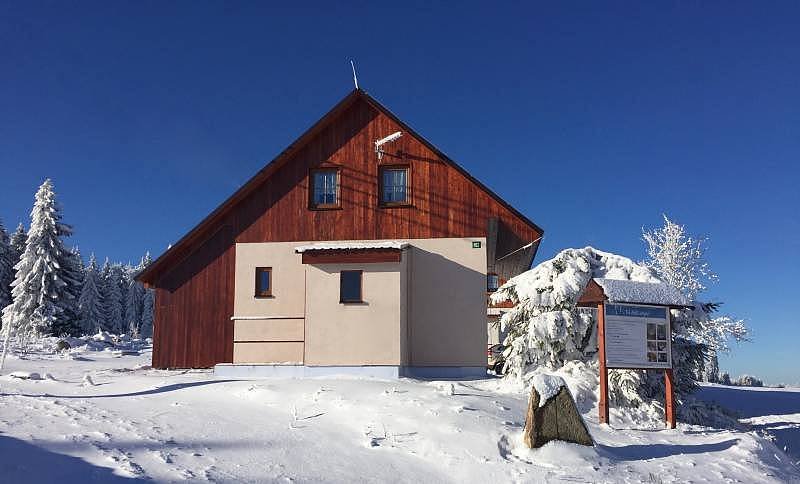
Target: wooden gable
194 279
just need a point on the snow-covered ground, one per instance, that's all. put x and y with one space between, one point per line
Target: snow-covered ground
126 422
772 412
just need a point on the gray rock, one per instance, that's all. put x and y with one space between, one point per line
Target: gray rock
557 419
62 345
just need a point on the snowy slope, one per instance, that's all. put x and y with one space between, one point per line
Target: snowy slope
772 412
186 425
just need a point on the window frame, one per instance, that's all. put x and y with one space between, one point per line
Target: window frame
311 181
268 292
394 166
488 289
360 299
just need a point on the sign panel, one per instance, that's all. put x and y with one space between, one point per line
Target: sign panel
637 336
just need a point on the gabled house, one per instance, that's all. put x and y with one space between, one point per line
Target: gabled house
340 255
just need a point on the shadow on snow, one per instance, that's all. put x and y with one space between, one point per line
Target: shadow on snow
656 451
25 462
152 391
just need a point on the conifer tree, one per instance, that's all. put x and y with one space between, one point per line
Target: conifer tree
17 243
90 302
112 298
7 262
133 304
148 303
41 288
74 270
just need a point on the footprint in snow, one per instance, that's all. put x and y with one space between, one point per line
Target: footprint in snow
500 406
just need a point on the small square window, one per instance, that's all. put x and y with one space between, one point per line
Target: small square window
492 282
324 191
350 287
263 281
394 185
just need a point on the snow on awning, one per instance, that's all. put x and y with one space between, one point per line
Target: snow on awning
353 245
625 291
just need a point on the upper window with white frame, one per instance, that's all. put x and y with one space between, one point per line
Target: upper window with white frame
394 188
324 189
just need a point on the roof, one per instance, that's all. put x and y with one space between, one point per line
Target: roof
625 291
353 245
179 250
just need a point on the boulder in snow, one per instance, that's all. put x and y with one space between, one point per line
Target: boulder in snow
62 345
552 414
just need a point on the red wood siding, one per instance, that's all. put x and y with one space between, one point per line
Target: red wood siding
370 256
195 297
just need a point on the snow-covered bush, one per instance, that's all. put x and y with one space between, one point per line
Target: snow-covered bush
545 327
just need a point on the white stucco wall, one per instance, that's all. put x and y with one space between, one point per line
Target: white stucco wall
427 310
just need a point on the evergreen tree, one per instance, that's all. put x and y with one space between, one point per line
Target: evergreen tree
148 303
133 304
18 240
7 261
90 302
70 324
112 299
42 288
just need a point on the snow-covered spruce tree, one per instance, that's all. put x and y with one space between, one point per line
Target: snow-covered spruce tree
42 288
90 302
73 269
123 275
113 301
133 304
148 305
148 302
711 370
7 262
17 242
545 327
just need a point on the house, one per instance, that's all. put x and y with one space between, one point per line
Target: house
342 255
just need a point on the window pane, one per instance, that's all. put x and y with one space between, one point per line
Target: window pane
395 183
263 281
492 282
324 187
350 286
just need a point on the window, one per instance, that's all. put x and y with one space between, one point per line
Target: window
350 287
324 188
492 282
657 342
394 185
263 281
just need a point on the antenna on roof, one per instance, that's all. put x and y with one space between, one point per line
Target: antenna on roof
355 79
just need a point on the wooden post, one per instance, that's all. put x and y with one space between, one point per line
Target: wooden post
601 343
669 400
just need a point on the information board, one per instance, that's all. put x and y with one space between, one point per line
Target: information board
637 336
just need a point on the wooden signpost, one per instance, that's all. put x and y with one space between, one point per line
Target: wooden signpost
632 336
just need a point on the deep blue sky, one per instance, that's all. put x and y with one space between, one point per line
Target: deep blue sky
593 119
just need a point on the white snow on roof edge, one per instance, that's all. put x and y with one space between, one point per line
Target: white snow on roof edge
625 291
353 245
